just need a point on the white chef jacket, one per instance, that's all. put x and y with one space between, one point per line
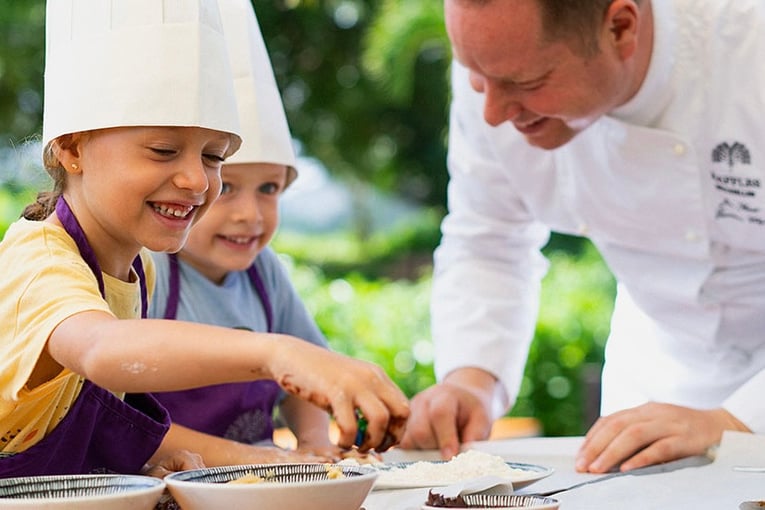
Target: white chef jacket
669 187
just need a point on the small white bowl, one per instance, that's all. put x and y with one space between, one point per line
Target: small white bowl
80 492
752 505
287 487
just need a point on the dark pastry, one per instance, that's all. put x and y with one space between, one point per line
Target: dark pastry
438 500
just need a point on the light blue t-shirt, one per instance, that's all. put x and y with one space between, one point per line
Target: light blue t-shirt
235 303
238 411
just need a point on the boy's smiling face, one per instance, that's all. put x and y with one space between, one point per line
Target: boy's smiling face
240 223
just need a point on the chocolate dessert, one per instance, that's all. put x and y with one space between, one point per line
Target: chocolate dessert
438 500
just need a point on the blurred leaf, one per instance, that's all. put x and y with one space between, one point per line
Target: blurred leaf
403 32
22 46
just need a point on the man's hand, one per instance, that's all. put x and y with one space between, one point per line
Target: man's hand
455 411
650 434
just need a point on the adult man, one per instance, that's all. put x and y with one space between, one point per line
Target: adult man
638 124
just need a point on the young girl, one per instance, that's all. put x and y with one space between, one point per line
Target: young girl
226 275
139 116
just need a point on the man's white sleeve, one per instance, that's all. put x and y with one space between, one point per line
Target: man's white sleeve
488 267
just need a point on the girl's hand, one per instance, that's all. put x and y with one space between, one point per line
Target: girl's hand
342 385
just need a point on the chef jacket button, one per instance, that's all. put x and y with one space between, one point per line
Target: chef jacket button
691 236
679 149
584 229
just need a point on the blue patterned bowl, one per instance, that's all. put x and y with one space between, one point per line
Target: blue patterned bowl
81 492
274 487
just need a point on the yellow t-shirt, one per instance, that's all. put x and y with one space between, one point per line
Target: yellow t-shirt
45 281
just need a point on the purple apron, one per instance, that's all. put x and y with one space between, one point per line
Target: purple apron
238 411
100 433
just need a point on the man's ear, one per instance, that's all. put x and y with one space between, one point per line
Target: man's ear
622 21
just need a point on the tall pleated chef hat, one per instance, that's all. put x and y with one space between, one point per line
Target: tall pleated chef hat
265 133
114 63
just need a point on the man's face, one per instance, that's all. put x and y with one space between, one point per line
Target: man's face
549 90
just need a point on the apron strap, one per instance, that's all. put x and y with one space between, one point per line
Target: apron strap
174 291
74 229
257 282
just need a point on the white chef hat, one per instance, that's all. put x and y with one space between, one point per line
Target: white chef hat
265 133
113 63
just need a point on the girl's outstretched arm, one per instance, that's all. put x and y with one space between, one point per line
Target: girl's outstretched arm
144 355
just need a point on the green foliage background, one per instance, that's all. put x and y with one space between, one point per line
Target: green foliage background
387 322
370 315
365 87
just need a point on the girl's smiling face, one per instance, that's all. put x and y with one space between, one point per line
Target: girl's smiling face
133 187
240 223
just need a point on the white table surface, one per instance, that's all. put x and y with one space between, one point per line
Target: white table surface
715 486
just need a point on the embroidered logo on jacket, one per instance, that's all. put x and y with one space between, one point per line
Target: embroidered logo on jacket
737 182
731 154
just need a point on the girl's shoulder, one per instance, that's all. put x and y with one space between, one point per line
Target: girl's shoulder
39 249
28 238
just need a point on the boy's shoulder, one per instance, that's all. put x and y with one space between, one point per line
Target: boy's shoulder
269 265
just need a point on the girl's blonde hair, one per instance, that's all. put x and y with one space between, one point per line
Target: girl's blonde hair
45 203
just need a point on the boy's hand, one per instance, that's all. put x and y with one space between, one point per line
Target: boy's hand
179 460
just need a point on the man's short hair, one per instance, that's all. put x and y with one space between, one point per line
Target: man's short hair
574 20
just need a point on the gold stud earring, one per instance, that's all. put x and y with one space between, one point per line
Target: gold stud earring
75 167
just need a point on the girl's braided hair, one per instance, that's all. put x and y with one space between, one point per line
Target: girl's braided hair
45 203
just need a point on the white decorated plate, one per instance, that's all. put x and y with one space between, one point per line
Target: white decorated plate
406 475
